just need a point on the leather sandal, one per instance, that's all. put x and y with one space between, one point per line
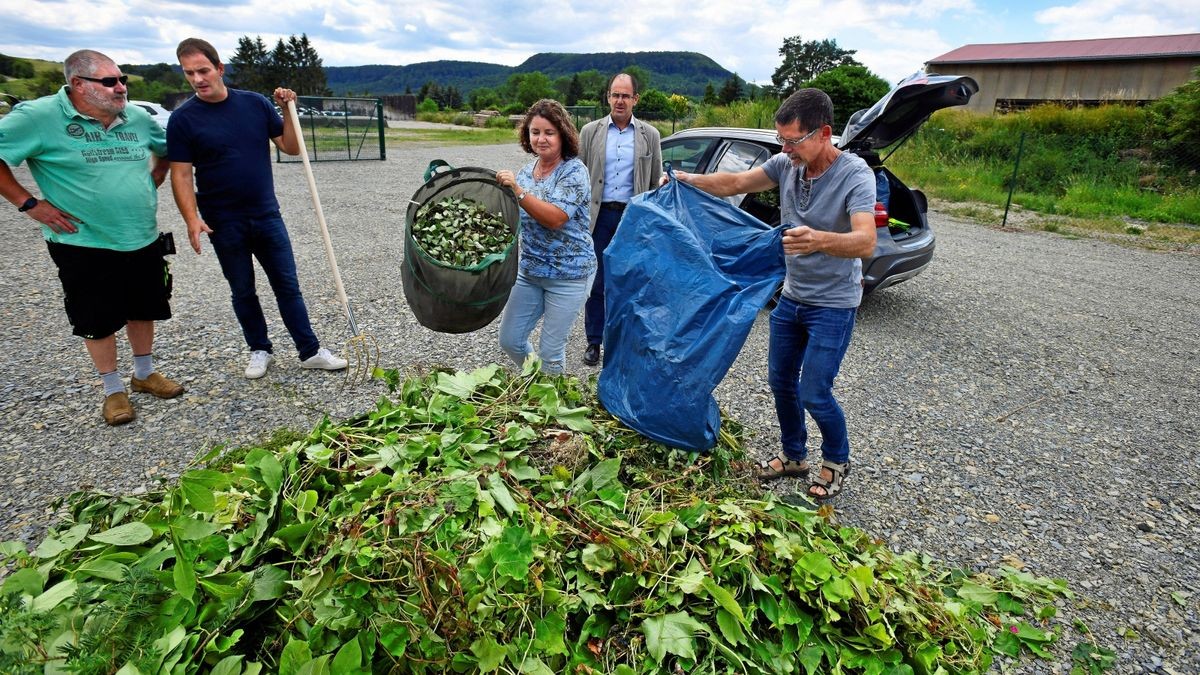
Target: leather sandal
832 486
781 466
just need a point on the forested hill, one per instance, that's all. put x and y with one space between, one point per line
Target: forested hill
670 72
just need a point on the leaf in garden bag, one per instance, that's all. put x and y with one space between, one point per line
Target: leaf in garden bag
50 598
837 589
129 534
293 536
348 658
731 628
230 665
223 643
489 654
295 654
723 598
270 583
513 553
673 633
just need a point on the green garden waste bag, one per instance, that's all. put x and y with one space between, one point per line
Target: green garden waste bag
450 299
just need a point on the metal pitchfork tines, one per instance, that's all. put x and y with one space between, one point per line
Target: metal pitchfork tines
362 350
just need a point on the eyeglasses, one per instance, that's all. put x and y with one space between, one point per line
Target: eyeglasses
622 96
106 81
796 141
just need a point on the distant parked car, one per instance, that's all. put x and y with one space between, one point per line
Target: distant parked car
159 113
904 240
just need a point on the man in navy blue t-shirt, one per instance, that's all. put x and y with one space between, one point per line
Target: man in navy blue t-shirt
219 137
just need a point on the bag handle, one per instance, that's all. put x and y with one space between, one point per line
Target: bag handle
435 167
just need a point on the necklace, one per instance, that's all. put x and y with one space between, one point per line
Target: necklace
540 172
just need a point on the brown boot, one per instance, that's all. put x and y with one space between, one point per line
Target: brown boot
117 409
158 385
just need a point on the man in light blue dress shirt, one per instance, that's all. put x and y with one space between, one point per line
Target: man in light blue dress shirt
624 159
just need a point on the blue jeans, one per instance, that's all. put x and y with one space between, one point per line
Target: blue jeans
593 311
806 350
236 242
559 301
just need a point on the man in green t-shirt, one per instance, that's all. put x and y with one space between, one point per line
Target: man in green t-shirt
90 156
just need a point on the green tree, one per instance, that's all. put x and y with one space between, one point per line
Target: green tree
484 98
574 90
251 65
653 105
851 88
710 95
529 88
308 75
47 82
732 90
678 104
640 74
802 61
1176 123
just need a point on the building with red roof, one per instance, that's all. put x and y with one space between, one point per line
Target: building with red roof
1017 75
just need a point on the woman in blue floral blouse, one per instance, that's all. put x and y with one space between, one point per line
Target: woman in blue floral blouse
558 260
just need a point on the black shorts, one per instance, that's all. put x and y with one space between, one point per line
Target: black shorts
105 288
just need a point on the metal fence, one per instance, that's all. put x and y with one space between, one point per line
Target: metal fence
340 129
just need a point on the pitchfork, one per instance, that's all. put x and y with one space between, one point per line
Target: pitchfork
362 350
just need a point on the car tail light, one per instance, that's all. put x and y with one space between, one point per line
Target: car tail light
881 215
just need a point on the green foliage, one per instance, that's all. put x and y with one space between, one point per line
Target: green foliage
1176 121
1082 162
16 68
294 64
486 521
852 88
804 61
653 105
427 105
732 90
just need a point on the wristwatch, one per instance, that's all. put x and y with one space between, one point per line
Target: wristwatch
29 204
522 195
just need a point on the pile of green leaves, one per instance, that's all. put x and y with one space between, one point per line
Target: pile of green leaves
482 522
459 232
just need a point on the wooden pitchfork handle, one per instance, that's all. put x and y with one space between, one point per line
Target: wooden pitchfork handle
312 188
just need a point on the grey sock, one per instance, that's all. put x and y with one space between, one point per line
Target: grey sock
112 382
142 366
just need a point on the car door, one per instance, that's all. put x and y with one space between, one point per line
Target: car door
738 156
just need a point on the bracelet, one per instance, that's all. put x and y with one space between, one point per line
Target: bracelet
522 195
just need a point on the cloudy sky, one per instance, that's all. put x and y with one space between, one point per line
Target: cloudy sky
892 37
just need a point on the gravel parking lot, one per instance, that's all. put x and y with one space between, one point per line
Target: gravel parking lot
1030 400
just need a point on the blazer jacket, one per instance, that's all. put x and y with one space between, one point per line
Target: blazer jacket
647 152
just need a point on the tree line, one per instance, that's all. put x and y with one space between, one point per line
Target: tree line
296 64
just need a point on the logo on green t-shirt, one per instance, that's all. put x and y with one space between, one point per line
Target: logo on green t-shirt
74 130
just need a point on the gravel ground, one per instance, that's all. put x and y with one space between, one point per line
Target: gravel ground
1026 401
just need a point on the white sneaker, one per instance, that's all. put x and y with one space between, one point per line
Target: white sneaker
324 360
259 362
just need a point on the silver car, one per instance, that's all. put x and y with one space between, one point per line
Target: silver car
904 240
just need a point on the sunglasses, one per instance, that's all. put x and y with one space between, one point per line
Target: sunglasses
106 81
796 141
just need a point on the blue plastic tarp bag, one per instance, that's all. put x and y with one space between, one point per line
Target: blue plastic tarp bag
685 277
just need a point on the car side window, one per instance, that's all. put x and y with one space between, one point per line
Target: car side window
686 155
740 156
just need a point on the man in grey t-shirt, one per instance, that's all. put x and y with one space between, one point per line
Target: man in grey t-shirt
827 199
